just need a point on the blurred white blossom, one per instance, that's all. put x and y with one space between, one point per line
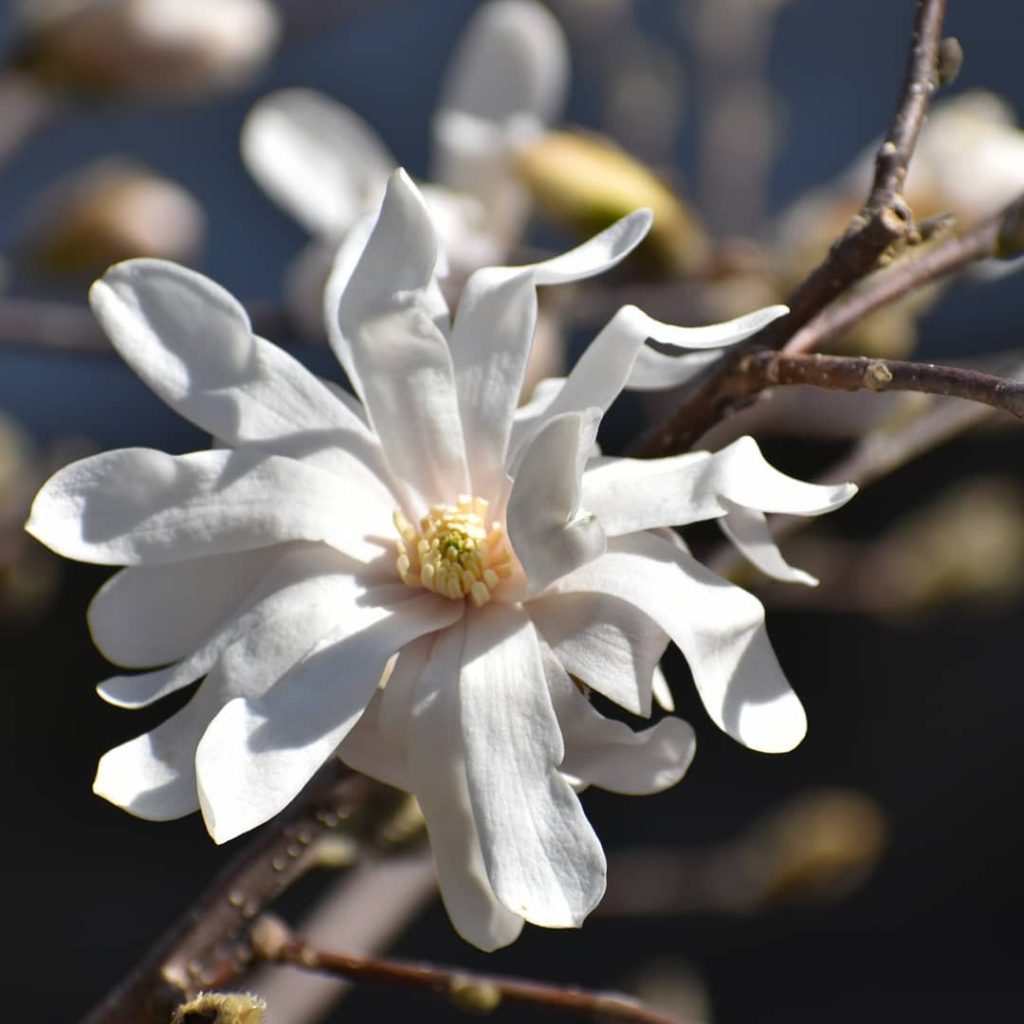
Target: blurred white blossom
424 579
327 167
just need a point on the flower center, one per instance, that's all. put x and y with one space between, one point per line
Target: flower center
453 553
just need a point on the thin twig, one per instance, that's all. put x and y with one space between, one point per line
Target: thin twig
884 220
208 946
273 943
981 241
860 373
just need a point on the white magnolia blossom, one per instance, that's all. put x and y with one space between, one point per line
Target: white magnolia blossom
424 579
328 168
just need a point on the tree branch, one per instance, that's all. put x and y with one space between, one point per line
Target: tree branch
274 943
884 220
208 947
994 237
859 373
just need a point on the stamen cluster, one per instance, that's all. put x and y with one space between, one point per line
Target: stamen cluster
453 553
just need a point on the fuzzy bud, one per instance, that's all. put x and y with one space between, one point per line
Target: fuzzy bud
221 1008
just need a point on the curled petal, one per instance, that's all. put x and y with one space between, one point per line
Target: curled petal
748 529
609 644
641 494
605 753
655 371
718 627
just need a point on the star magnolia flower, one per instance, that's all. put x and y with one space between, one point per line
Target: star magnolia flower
449 572
328 168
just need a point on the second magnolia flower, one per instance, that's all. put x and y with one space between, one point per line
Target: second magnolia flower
483 559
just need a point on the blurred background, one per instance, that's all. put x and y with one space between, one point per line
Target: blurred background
871 874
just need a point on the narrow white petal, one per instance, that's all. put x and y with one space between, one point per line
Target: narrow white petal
542 856
718 627
316 158
491 341
493 334
192 343
299 598
654 371
438 769
640 494
257 754
397 357
748 478
605 753
152 615
154 775
551 534
748 529
137 505
608 643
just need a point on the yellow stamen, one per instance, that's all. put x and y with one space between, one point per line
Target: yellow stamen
453 553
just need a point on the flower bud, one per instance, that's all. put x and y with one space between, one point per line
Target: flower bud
221 1008
586 182
110 211
155 49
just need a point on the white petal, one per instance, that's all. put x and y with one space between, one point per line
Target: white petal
550 533
299 600
747 478
378 743
605 753
748 529
491 341
154 775
192 343
152 615
257 754
608 643
512 60
397 357
655 371
136 505
718 627
493 334
542 856
316 158
628 495
438 770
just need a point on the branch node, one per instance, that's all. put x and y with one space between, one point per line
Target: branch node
877 376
